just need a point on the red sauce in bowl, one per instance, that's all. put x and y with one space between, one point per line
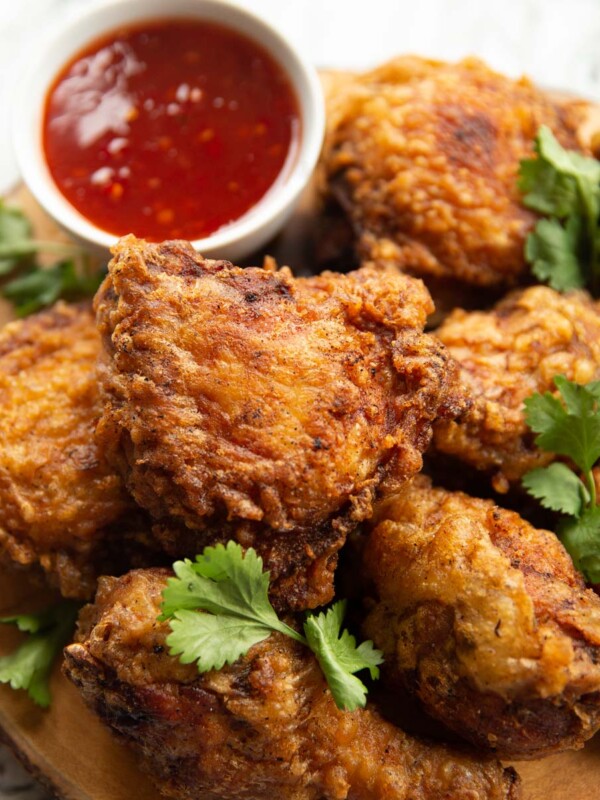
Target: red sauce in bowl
170 130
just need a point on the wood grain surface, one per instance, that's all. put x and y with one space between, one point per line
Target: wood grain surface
69 750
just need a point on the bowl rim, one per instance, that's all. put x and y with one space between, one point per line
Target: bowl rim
97 20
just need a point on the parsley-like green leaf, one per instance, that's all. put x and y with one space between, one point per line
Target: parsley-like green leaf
570 427
558 488
593 387
226 582
564 186
573 431
581 538
31 286
33 623
218 607
41 287
30 665
340 658
559 182
567 163
553 252
14 229
211 640
579 400
545 190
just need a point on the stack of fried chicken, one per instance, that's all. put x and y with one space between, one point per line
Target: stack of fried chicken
201 402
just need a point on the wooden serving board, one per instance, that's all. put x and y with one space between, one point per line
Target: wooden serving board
75 756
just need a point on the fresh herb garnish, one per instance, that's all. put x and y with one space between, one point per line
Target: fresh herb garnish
29 666
564 186
571 429
32 286
233 588
14 230
38 288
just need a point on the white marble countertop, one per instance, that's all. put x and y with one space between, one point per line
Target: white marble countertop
554 41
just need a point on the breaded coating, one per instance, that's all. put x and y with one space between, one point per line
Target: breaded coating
506 355
247 404
58 495
485 620
267 726
422 156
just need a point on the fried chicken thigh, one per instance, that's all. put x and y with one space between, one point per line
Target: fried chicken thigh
58 495
423 156
485 620
267 726
506 355
247 404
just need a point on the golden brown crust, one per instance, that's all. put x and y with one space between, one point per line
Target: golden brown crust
250 404
423 158
485 619
58 496
505 355
266 726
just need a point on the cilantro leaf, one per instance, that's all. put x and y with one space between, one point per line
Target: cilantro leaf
558 488
567 162
29 666
33 287
573 431
570 428
565 187
593 387
32 623
211 640
226 582
580 400
40 287
14 229
340 658
553 252
543 411
581 538
545 190
218 607
559 182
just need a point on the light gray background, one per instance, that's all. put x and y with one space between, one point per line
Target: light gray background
557 42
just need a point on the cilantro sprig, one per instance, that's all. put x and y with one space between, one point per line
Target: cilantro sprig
29 286
569 427
564 186
29 666
232 587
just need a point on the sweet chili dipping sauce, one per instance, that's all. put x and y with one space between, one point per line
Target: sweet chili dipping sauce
170 130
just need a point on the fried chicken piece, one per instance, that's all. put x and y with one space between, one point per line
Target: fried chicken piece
506 355
59 499
267 726
252 405
422 157
485 620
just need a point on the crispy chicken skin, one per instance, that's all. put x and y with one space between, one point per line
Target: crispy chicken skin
505 355
485 620
266 726
422 156
58 496
245 403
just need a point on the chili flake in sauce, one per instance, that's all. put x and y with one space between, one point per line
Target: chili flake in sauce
170 130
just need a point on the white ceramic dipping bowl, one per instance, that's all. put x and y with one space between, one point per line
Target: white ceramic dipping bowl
239 238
